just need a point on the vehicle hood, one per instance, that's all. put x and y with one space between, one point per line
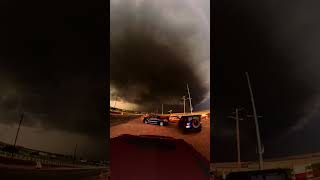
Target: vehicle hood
148 157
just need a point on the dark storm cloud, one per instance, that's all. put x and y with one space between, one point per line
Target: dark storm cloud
277 44
64 96
53 66
151 56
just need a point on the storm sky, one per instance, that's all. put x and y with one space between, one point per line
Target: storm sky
53 68
277 42
157 47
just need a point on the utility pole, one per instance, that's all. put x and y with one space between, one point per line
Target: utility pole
115 102
184 104
256 124
74 153
17 134
238 134
162 109
189 99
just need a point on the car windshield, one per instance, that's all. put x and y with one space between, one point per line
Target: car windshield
196 117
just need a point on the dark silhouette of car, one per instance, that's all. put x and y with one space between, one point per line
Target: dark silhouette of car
190 123
156 119
270 174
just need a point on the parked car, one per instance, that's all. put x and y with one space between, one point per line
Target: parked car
205 116
190 123
174 119
156 119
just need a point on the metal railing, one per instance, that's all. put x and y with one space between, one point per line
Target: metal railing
43 160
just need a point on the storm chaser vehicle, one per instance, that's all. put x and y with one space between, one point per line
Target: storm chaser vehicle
190 123
156 119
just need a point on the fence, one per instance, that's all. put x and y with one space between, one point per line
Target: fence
15 158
